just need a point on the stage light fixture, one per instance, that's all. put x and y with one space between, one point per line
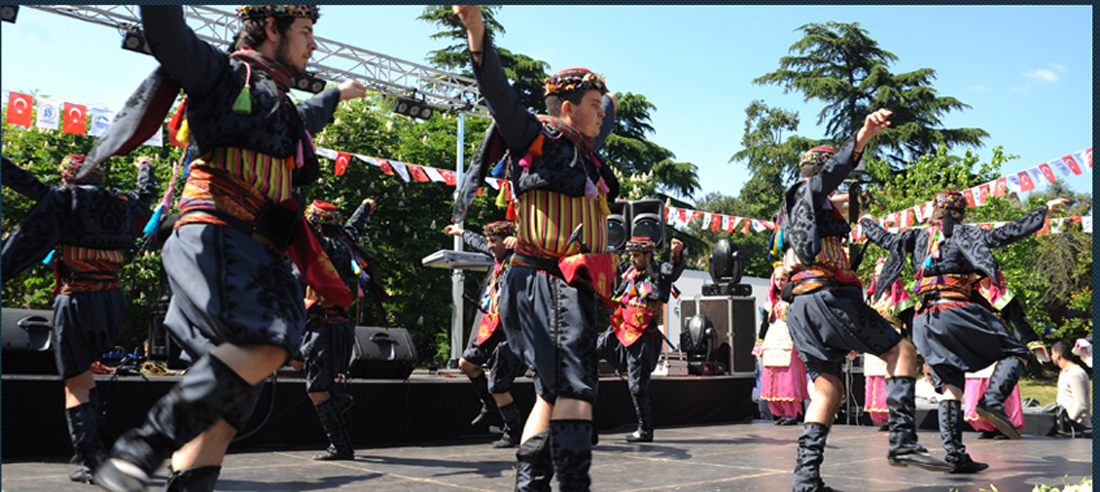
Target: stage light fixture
413 108
8 13
135 41
307 82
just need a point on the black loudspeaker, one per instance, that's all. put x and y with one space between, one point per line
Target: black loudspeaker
734 321
162 346
382 353
618 226
28 342
648 220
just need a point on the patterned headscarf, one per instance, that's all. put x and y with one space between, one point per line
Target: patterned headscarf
950 199
640 244
574 79
502 228
250 12
321 213
70 169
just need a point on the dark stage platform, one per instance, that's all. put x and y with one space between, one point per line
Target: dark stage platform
755 456
424 408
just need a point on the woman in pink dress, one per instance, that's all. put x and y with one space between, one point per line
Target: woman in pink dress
783 376
897 307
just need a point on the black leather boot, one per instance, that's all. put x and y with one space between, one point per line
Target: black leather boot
534 468
1006 374
198 479
337 431
343 400
571 450
951 433
488 405
811 453
904 449
209 390
645 419
513 428
84 432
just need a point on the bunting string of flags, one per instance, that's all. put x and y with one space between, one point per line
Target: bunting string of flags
74 118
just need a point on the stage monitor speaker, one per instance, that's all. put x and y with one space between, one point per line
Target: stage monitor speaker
382 353
618 226
648 220
734 321
28 341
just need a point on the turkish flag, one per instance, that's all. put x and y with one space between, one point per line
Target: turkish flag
897 219
385 165
448 177
1045 231
745 230
909 217
682 212
969 195
418 174
983 193
19 109
716 222
76 119
731 223
1025 181
342 159
988 226
1088 157
1072 163
1048 172
695 214
1000 188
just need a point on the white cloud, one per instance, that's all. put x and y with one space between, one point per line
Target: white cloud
1059 67
1042 74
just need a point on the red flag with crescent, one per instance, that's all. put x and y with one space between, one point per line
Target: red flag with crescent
385 165
1025 181
76 120
448 177
1001 187
342 159
19 109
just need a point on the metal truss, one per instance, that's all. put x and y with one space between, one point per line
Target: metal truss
332 61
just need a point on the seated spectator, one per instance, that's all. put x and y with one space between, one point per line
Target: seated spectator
1073 384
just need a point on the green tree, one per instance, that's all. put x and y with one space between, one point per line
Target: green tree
527 74
753 246
840 65
771 160
629 150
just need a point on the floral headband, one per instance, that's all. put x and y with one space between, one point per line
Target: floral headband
70 169
817 155
323 213
574 79
640 244
950 199
248 12
502 228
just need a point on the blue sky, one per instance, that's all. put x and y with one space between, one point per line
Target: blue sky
1025 70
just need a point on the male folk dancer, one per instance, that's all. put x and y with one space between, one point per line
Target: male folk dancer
828 317
86 228
633 343
955 334
237 309
548 300
488 345
330 332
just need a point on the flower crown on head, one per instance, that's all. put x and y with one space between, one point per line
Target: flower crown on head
574 80
502 228
246 12
640 244
323 213
950 199
70 168
817 155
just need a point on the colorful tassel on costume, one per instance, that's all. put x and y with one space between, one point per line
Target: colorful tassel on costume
243 104
49 258
184 135
590 190
605 210
511 214
154 222
502 197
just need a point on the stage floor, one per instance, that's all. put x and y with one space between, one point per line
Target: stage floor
755 456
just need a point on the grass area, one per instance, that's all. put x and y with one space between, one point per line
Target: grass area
1043 387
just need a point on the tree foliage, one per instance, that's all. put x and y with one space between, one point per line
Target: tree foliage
840 65
630 151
